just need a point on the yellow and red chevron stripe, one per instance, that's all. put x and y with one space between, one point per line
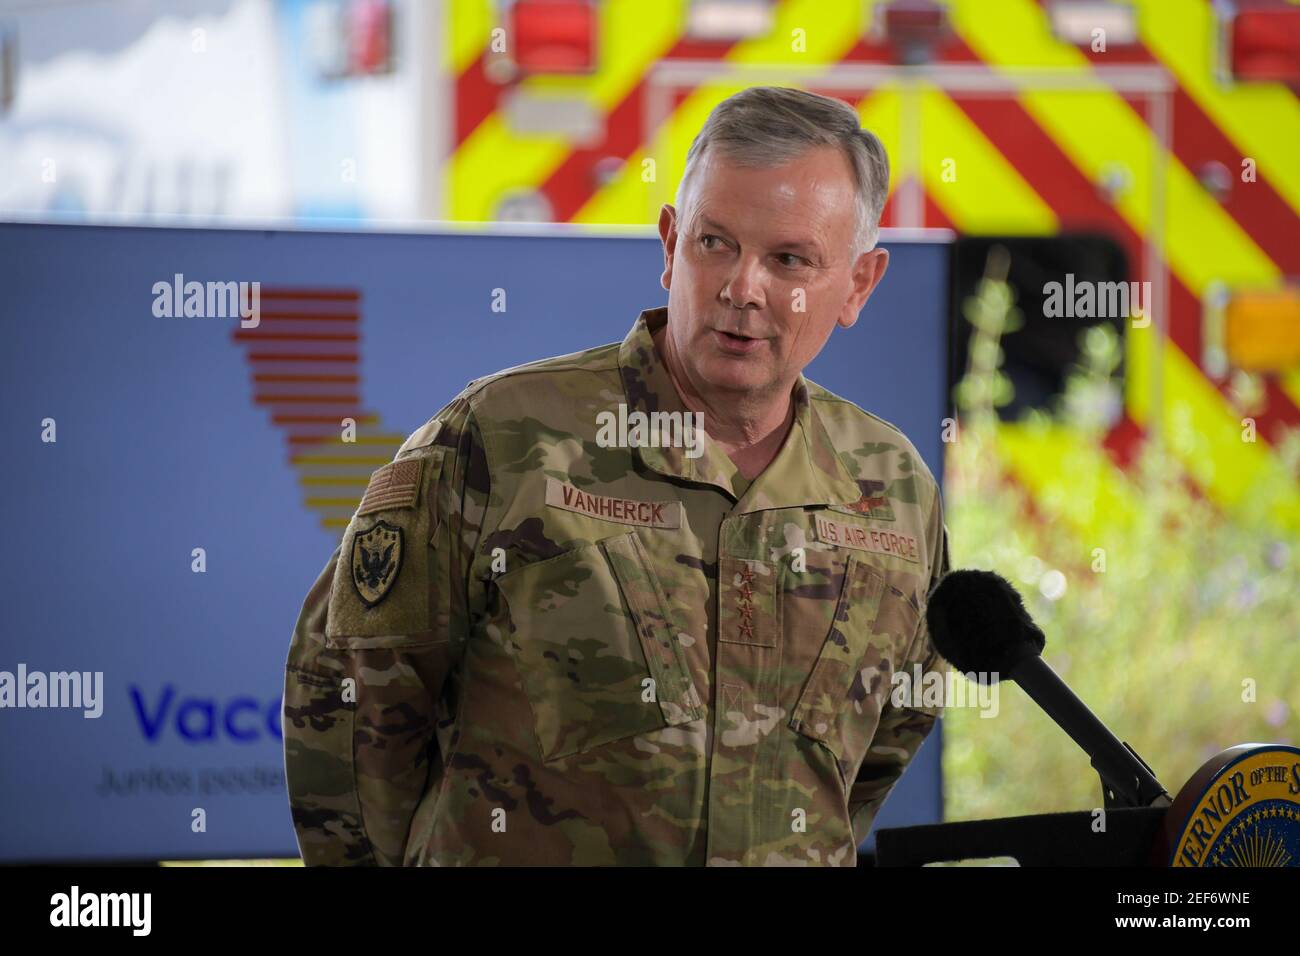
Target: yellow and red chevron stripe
1030 164
304 356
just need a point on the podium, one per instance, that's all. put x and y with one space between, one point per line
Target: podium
1241 808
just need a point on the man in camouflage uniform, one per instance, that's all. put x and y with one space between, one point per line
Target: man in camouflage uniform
567 626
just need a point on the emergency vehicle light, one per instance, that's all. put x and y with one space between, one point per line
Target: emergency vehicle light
553 36
1262 329
1265 44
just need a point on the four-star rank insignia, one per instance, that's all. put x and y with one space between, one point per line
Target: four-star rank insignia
376 559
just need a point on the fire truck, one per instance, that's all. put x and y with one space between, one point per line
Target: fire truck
1154 144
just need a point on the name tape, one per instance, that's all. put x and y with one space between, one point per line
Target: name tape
647 514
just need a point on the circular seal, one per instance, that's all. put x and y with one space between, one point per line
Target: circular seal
1242 808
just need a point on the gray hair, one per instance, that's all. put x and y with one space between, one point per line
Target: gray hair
766 126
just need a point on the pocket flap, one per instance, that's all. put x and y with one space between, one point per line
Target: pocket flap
589 635
650 610
853 659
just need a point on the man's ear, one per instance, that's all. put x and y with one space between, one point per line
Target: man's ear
867 273
668 236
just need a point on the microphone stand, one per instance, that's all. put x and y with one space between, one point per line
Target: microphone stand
1126 779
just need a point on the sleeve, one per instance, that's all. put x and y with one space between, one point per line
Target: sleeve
902 729
380 633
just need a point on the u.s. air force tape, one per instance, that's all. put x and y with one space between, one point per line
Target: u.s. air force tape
848 535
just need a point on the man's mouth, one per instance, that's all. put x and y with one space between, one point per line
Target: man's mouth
740 335
733 342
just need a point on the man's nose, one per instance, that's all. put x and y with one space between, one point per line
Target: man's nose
744 288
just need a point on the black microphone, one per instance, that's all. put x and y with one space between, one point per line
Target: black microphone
978 623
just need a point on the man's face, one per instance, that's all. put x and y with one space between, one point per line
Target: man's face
761 268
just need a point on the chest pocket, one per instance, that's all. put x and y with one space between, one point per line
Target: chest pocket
596 651
852 677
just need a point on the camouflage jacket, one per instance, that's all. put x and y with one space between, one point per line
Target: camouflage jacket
538 646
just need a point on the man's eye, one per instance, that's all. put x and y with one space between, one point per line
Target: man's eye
708 241
789 259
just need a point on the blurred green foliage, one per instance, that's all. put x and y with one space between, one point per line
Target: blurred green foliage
1163 625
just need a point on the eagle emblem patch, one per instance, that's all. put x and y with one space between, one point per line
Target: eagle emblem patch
376 559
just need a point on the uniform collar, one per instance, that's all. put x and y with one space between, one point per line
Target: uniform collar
806 471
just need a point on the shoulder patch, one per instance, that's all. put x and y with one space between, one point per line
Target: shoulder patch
376 562
396 485
381 588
